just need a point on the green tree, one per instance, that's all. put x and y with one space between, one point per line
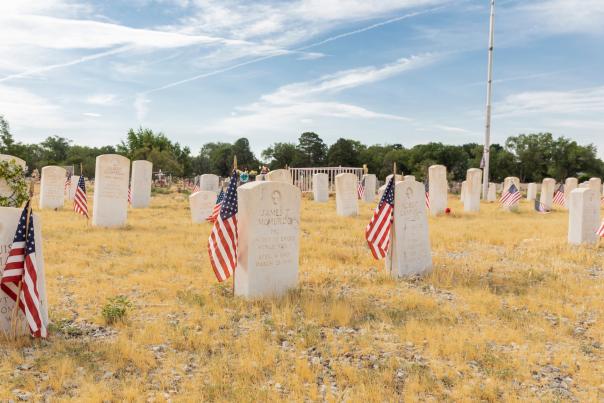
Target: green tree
313 150
281 154
345 152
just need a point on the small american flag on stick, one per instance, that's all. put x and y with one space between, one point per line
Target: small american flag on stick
540 207
361 189
559 197
427 192
212 217
129 195
511 197
67 182
80 201
377 232
222 244
20 275
600 230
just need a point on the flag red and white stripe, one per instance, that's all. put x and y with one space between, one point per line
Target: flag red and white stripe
511 197
216 210
80 201
129 195
377 232
20 275
222 244
427 192
600 230
559 197
360 190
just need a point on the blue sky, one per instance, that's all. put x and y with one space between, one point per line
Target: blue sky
380 71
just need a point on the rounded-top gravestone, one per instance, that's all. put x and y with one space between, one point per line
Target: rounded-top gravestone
279 175
52 187
111 177
209 182
140 183
269 239
346 195
320 187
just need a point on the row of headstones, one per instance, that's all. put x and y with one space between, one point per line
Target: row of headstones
547 189
269 234
112 180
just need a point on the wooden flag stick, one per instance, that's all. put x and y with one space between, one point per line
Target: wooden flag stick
15 313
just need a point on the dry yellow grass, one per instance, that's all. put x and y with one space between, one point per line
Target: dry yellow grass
511 312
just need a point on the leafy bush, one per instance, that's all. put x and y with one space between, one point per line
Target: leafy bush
116 309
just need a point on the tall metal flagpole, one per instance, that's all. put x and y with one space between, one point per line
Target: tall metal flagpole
487 131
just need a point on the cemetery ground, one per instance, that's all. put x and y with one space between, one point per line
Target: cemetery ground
510 312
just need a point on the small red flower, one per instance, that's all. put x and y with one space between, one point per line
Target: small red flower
447 210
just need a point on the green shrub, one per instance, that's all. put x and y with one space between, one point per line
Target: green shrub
116 309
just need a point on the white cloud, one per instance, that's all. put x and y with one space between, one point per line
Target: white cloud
346 79
101 99
582 101
563 16
24 109
92 114
141 106
300 102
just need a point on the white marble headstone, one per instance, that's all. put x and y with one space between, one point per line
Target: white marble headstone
547 192
320 187
140 183
409 253
279 175
437 187
4 189
583 216
111 190
595 184
209 182
462 192
531 191
471 201
269 237
346 195
201 204
507 182
492 192
9 217
409 177
397 179
370 181
570 184
52 187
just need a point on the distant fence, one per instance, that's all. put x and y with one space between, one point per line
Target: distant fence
302 177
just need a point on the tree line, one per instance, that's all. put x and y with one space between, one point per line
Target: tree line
531 157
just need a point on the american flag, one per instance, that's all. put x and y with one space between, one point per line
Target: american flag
80 201
540 207
559 197
222 244
427 191
67 181
129 195
600 230
377 232
511 197
361 189
20 275
216 210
